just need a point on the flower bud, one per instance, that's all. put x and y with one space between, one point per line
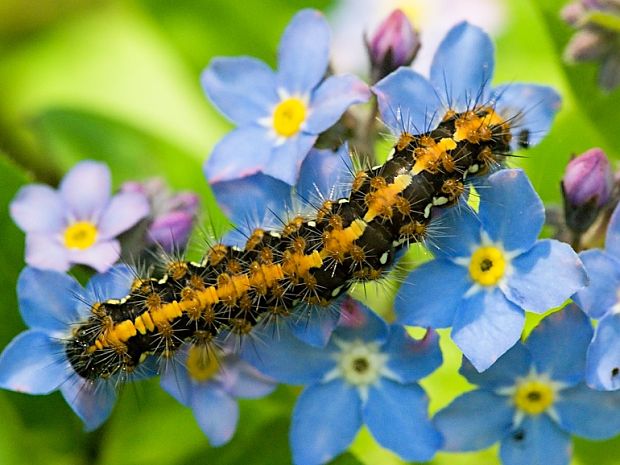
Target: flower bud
395 43
586 45
587 186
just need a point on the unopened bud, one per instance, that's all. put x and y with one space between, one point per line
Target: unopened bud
586 45
395 43
587 186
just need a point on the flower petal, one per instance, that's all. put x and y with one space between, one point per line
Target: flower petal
86 190
558 345
486 326
216 412
33 363
113 284
588 413
544 276
600 295
431 294
528 107
46 252
314 324
101 256
511 211
174 377
537 441
612 240
514 364
304 52
463 67
360 322
412 359
332 98
603 358
242 88
277 353
458 233
474 420
48 299
239 379
38 208
92 402
286 159
123 211
397 416
325 175
242 152
408 102
326 418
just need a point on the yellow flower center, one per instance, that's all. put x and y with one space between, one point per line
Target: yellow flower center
533 397
80 235
202 363
487 266
288 116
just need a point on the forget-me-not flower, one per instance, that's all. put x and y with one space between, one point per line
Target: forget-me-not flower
601 300
79 222
488 269
533 398
367 374
279 114
35 362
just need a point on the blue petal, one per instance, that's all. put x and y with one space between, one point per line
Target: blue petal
48 299
528 107
397 416
113 284
511 211
174 377
408 102
276 352
38 208
326 418
603 358
458 233
360 322
314 324
431 294
286 159
239 379
242 88
588 413
558 345
475 420
538 440
462 67
412 359
612 240
253 202
216 412
91 401
544 276
33 363
600 295
332 98
242 152
516 363
486 326
304 52
325 175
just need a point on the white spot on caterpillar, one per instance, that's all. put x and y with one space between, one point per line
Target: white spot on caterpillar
427 210
312 224
399 242
343 201
474 168
236 248
376 167
391 154
195 264
440 201
336 291
384 258
275 234
163 280
113 301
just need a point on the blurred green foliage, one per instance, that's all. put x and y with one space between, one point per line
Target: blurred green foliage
119 81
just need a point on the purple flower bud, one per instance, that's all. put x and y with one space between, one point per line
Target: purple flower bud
587 186
395 43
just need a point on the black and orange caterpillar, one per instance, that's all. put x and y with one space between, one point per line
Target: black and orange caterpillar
310 261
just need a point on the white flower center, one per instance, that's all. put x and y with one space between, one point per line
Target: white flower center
360 363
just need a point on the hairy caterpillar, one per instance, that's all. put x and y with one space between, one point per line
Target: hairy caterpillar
311 260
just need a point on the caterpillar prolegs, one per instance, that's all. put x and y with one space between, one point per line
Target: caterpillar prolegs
310 260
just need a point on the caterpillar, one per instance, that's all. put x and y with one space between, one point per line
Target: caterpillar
311 260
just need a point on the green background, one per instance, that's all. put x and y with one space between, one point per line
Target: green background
119 81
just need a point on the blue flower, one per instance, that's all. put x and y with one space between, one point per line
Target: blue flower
367 373
488 269
35 362
601 300
260 201
279 115
209 381
533 398
460 79
79 222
